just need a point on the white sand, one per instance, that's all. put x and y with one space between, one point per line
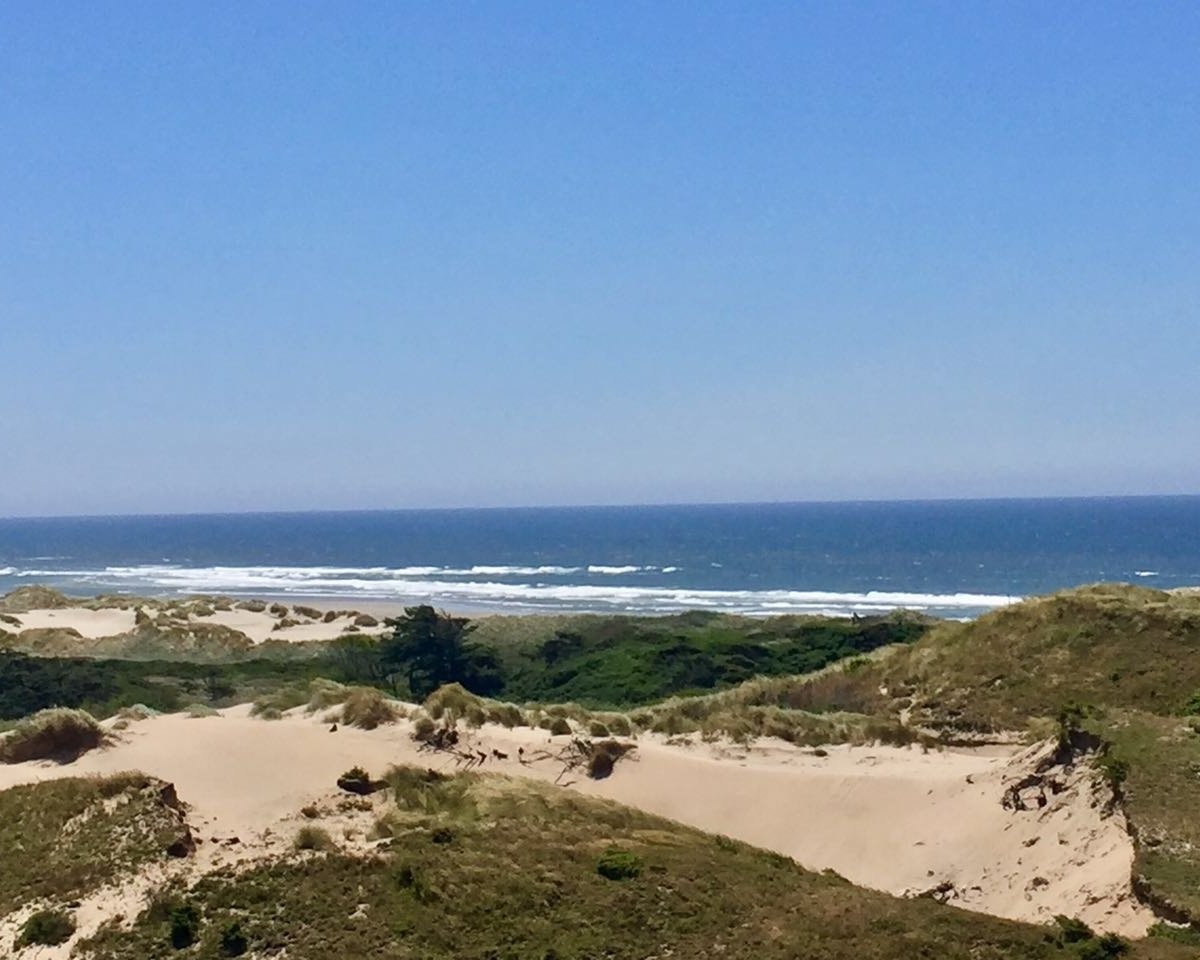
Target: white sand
88 623
258 627
894 819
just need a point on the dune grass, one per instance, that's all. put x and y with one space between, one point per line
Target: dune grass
62 838
481 867
56 734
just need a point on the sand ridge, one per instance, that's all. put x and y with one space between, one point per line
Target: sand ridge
896 819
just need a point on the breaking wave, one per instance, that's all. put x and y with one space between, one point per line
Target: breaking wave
474 589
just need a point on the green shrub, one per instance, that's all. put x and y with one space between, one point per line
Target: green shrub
46 928
1103 948
597 729
313 838
184 919
1073 930
273 705
1114 770
56 734
198 710
559 727
233 941
618 864
1190 936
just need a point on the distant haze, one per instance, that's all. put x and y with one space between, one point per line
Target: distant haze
344 256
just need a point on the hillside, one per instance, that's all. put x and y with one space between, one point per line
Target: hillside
485 866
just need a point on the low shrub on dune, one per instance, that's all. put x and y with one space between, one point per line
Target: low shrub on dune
56 734
367 708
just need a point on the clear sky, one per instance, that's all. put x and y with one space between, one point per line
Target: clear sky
341 255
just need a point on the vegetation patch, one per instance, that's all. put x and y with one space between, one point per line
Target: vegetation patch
58 734
46 928
519 878
63 838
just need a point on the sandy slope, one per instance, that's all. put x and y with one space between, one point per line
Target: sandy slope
895 819
257 626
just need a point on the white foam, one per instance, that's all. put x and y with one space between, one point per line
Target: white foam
7 571
426 584
1145 573
615 571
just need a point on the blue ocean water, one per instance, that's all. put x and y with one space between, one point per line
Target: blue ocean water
951 558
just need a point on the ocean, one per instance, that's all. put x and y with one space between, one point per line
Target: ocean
948 558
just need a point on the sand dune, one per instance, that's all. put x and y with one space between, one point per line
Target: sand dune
895 819
115 621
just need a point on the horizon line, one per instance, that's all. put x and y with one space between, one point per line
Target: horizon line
601 506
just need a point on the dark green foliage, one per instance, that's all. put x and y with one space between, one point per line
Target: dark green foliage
629 661
234 941
184 920
618 864
1114 769
1190 936
1103 948
1073 930
429 649
29 684
1076 934
46 928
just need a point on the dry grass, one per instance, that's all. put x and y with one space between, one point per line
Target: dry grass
56 734
367 708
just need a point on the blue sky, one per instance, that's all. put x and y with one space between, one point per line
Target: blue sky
294 256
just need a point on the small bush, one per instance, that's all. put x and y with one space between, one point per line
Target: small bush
598 729
184 919
202 610
506 714
46 928
137 711
367 708
198 710
618 864
1073 930
1103 948
279 609
254 606
619 725
423 729
234 941
365 620
273 705
311 612
330 616
56 734
559 727
313 838
1114 770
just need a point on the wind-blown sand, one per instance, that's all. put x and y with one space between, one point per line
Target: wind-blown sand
895 819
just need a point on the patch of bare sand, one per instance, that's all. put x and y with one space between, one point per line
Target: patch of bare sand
898 820
257 626
92 624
